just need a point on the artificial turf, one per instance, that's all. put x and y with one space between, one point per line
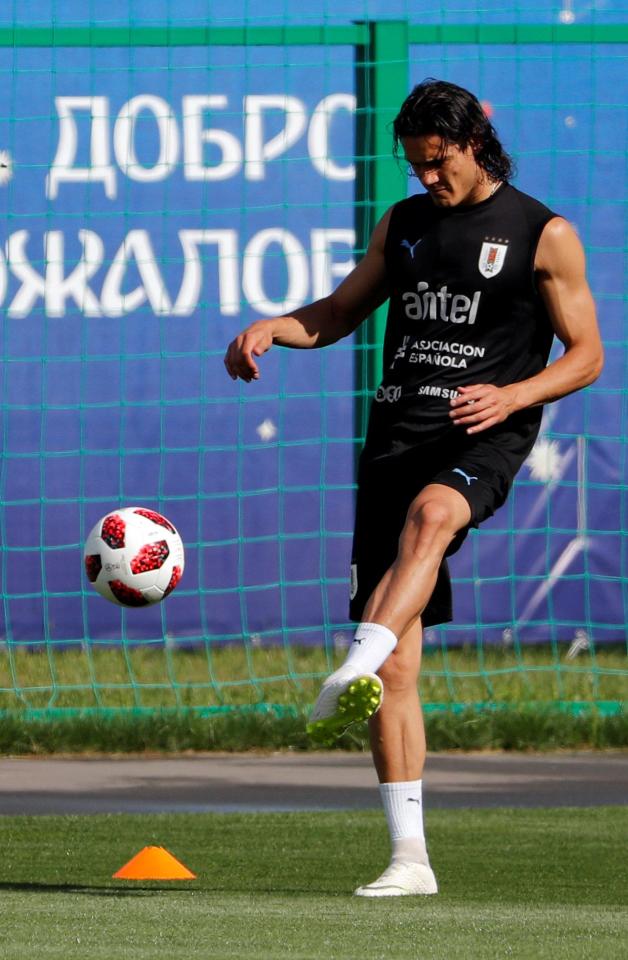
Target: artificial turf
514 883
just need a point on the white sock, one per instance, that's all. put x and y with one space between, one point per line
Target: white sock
403 806
372 644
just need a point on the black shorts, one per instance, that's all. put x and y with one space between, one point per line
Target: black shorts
477 469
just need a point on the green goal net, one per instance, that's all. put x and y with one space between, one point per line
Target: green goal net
161 186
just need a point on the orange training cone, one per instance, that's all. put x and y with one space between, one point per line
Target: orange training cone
154 863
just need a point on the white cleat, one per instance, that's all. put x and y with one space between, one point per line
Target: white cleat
402 880
346 697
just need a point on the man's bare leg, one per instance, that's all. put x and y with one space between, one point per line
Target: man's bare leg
434 518
398 745
397 732
353 692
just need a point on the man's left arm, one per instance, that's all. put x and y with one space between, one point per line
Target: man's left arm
560 270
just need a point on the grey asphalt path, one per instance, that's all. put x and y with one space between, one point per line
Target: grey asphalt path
316 781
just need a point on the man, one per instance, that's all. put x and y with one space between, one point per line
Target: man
480 277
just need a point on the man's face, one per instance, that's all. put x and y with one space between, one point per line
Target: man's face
450 175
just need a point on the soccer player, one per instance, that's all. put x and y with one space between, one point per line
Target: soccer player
479 278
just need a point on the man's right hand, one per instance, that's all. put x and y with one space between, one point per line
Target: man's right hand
320 323
251 343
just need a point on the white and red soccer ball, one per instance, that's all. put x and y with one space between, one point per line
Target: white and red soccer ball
134 557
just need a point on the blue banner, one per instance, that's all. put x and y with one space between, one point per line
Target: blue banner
155 201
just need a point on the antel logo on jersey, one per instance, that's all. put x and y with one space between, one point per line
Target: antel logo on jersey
387 394
428 304
492 256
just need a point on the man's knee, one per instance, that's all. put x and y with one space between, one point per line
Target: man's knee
432 513
400 672
430 523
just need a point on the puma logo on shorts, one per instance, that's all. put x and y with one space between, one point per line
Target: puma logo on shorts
467 477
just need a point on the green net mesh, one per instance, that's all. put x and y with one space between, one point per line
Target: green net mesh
162 186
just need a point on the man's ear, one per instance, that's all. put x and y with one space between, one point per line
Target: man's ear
476 147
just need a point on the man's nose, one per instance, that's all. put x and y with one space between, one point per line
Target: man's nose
429 178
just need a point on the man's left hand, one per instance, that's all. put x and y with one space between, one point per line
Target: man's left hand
481 406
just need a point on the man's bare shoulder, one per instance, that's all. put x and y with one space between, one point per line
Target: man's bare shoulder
558 229
559 245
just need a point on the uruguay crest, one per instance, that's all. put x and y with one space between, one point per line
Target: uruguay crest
492 256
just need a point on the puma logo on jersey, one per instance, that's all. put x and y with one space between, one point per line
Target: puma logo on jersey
411 246
465 475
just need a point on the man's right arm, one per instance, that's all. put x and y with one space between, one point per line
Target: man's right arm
320 323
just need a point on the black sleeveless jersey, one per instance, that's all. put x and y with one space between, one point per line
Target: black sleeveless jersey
464 309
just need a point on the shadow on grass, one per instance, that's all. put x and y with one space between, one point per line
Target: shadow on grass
104 891
145 891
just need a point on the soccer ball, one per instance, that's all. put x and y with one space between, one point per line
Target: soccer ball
134 557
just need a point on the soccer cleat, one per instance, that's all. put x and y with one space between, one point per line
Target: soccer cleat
346 697
402 880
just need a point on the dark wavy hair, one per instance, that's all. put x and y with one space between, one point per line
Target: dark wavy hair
455 115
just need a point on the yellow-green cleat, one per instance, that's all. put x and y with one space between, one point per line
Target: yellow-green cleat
346 697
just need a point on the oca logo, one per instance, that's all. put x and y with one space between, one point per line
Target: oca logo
388 394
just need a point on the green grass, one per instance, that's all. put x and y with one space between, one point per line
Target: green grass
155 675
514 883
508 728
153 698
